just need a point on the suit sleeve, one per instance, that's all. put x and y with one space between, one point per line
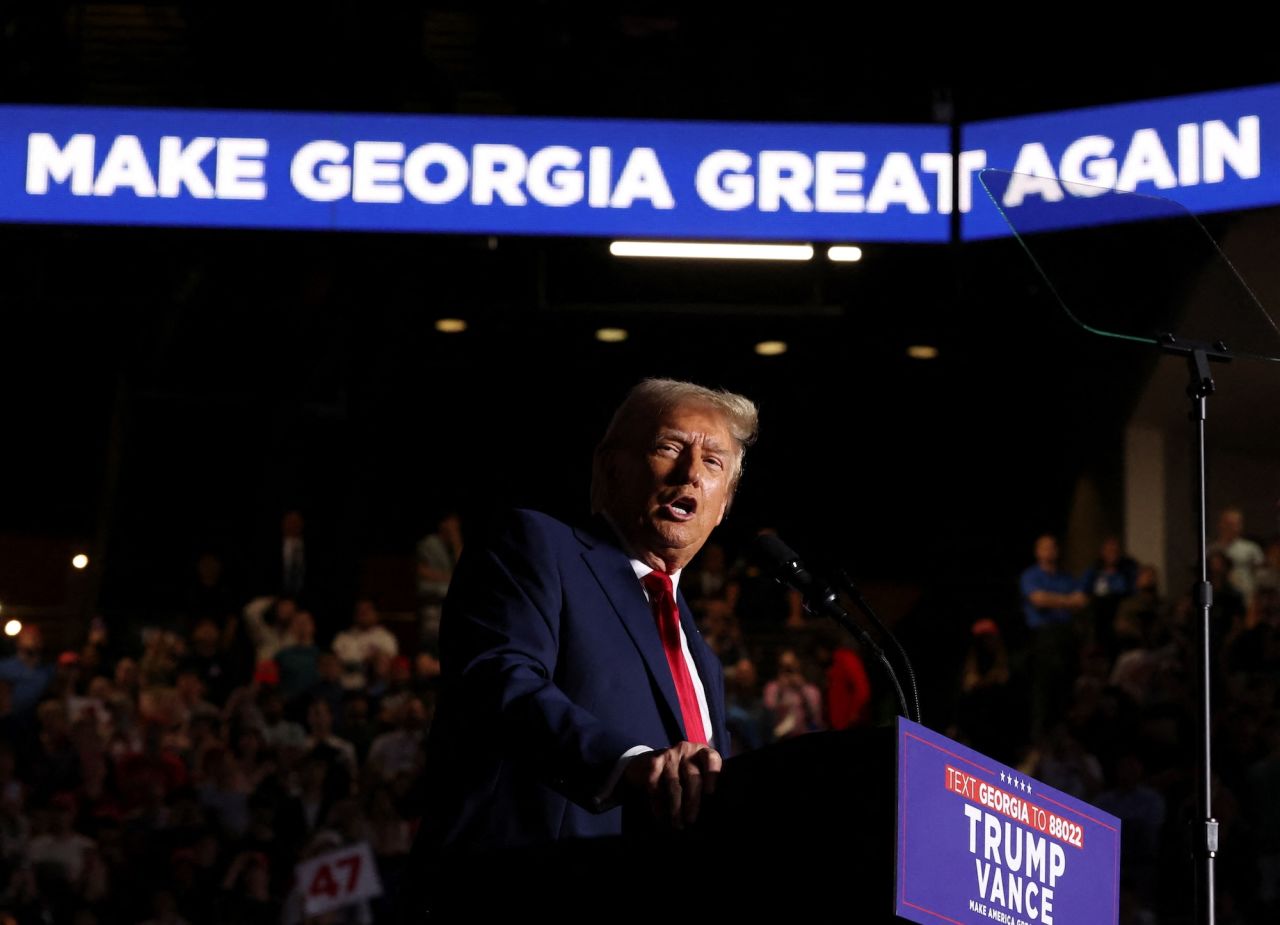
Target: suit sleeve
500 645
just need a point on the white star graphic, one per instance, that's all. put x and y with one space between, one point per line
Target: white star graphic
1003 777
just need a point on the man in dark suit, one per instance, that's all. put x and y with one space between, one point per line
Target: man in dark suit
572 680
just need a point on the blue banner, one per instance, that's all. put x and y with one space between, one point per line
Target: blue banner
979 842
474 174
588 177
1210 152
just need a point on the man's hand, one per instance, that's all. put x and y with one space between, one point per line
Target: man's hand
674 780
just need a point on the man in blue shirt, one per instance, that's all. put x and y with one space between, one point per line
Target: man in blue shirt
27 671
1050 598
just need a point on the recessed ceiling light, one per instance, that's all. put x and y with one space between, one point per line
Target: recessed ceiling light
611 335
79 560
771 348
844 253
451 325
922 352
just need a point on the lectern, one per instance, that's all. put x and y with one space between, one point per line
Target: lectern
869 826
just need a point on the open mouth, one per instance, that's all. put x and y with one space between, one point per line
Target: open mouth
682 508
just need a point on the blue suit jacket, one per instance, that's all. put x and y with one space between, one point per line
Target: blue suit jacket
552 668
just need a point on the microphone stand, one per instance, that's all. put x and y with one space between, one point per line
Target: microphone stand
819 599
856 594
822 601
1205 831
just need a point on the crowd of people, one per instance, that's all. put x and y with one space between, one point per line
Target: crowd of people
1095 691
182 773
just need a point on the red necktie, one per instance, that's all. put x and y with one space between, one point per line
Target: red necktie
658 585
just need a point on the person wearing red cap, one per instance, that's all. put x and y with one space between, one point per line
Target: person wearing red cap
986 703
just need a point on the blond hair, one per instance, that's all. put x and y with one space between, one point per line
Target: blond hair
648 401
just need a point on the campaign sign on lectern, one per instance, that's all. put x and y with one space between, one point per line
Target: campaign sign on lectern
978 842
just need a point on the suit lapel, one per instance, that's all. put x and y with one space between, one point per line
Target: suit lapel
612 569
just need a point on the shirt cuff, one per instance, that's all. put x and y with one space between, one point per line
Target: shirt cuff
607 798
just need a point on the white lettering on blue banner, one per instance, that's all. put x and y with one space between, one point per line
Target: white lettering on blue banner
609 177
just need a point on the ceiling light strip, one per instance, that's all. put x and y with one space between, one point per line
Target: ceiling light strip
701 250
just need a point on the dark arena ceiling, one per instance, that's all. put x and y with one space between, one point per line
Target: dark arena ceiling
208 379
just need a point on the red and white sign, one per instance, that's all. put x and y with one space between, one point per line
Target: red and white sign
338 878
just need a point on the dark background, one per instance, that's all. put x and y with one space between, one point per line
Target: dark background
170 391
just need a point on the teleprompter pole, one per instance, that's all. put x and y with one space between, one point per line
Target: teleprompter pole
1204 834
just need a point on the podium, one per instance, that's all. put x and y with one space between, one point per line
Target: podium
859 825
804 825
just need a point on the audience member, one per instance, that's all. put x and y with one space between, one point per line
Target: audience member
161 777
762 604
847 700
1141 810
26 671
268 621
989 713
1050 599
750 722
399 751
298 659
794 702
205 659
1108 582
320 723
358 646
708 582
208 597
1244 555
437 557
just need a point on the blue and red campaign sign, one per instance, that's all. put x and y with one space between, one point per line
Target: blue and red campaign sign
979 842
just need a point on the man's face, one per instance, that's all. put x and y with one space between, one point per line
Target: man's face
672 482
1110 551
291 524
1230 525
1047 551
30 643
303 626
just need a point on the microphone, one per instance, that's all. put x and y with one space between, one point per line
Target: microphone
784 564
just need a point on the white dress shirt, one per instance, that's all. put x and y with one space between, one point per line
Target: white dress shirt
607 797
